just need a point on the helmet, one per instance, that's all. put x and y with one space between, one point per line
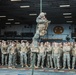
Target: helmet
42 14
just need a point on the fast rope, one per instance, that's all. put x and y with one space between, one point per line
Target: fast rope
34 54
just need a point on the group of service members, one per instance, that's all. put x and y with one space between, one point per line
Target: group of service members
50 54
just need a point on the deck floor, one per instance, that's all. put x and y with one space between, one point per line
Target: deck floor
27 71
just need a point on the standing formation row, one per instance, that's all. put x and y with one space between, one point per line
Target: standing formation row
53 55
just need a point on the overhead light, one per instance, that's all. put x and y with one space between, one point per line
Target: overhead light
69 21
64 5
25 6
10 19
2 16
15 0
17 22
67 13
32 14
67 16
8 23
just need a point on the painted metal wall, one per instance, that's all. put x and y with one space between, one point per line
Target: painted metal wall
52 35
68 29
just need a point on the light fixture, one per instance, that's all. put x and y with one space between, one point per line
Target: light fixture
2 16
15 0
10 19
32 14
64 5
8 23
69 21
25 6
17 22
67 16
67 13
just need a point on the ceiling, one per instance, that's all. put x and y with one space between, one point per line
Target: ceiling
12 10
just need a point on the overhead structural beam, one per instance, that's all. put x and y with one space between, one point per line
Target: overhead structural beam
40 6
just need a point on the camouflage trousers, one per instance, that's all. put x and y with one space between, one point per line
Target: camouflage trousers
23 58
41 56
49 60
4 59
56 58
31 57
11 61
66 57
73 61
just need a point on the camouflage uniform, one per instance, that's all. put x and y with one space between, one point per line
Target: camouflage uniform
49 55
23 54
42 24
74 57
28 52
31 56
12 52
66 55
56 56
4 53
33 50
41 55
18 51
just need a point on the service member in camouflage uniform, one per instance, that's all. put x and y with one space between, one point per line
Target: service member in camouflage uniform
23 54
49 55
74 56
56 55
12 52
4 52
66 55
41 55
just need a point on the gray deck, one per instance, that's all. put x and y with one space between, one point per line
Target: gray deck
5 71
